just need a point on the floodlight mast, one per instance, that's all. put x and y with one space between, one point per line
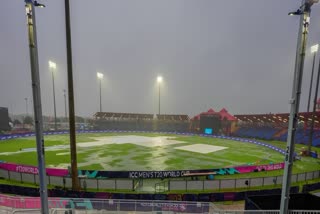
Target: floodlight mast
53 68
304 13
100 77
314 51
159 80
33 48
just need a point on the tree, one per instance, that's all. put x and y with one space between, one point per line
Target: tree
28 120
79 119
16 122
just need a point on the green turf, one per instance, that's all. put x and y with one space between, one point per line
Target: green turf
135 157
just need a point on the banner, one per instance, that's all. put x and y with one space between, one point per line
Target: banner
32 169
266 167
143 174
178 173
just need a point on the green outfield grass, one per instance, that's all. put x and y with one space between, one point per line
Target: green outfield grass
129 156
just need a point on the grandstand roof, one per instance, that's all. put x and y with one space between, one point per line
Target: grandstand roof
279 118
173 117
126 116
135 116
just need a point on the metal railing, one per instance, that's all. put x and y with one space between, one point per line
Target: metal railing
31 205
171 185
243 183
85 205
265 212
76 211
161 187
26 211
65 182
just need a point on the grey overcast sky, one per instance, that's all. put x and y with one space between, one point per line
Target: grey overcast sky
236 54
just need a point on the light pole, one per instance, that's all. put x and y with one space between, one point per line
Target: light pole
31 103
53 67
314 50
314 111
159 80
72 126
35 78
65 103
304 13
100 76
26 99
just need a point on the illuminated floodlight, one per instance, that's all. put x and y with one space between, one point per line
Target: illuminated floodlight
314 48
99 75
159 79
52 64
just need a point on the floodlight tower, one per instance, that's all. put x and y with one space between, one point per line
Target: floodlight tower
304 13
35 78
159 80
314 51
100 77
53 68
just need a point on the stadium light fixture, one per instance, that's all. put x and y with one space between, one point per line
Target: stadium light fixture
159 79
52 64
37 4
99 75
296 13
314 48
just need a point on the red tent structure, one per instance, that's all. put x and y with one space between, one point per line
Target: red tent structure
226 115
227 120
210 111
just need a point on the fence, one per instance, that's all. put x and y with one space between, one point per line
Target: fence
161 187
26 205
111 184
265 212
64 211
57 205
13 204
192 185
170 185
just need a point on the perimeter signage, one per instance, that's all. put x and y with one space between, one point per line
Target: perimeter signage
157 174
143 174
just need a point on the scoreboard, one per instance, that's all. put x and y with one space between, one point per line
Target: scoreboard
210 124
4 119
